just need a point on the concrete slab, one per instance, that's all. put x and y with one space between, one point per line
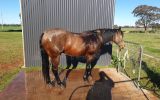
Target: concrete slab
114 86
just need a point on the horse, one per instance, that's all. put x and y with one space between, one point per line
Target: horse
54 42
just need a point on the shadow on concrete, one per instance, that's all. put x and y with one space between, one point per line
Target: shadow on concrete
100 90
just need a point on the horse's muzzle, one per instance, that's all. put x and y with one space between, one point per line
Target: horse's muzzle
121 47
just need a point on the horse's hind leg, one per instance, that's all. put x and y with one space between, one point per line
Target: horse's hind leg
74 63
55 63
68 60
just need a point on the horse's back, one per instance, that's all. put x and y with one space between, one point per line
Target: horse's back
55 31
54 34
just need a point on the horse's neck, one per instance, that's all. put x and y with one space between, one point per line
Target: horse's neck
107 37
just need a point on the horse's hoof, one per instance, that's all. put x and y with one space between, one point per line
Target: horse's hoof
91 81
86 80
60 85
51 84
90 78
64 83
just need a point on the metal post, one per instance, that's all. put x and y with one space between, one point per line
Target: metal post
140 64
24 60
124 58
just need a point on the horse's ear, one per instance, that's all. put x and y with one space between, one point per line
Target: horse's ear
119 28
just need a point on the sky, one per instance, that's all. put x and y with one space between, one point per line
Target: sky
124 8
10 9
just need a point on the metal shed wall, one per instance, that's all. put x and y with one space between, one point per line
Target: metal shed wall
72 15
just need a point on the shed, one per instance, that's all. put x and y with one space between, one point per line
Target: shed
73 15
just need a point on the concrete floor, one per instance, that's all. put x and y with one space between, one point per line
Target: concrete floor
112 86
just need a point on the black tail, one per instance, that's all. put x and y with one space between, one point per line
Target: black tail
45 61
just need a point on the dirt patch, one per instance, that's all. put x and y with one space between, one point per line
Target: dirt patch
10 66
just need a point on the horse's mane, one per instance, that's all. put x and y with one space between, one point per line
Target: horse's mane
89 37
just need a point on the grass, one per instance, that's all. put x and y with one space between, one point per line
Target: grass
10 47
150 42
10 28
11 56
7 77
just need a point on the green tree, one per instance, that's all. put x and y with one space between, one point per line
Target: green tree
147 15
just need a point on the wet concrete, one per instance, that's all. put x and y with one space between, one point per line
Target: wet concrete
15 90
111 86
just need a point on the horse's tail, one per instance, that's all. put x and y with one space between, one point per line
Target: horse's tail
45 61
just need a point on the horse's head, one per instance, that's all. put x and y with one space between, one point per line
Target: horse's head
118 38
115 35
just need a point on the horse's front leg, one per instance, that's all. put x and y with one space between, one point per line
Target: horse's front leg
86 73
88 64
93 63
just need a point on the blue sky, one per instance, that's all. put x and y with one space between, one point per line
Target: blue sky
10 9
123 11
124 8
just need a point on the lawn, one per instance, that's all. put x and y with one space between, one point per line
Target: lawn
11 48
149 41
11 58
10 28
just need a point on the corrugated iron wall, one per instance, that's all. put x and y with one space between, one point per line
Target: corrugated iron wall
72 15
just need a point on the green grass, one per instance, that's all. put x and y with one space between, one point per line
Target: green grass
10 28
150 42
7 77
10 47
11 56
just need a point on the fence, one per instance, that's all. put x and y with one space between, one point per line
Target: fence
151 70
141 68
129 61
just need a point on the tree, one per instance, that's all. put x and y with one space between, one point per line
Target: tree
115 26
147 15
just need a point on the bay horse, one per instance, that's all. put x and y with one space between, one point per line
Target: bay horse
54 42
